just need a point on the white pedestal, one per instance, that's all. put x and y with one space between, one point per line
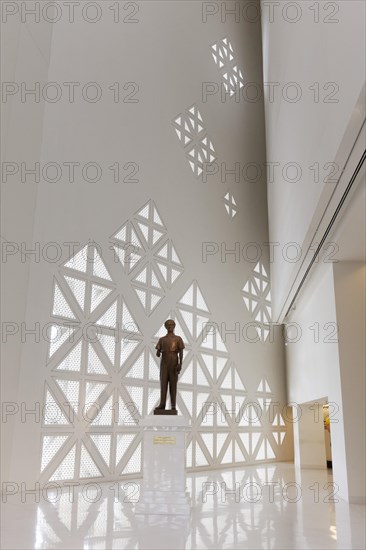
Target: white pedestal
163 490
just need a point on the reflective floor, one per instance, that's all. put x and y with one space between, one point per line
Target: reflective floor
271 506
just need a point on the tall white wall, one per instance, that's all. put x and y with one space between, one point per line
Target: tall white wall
312 361
325 361
25 58
167 54
350 278
306 50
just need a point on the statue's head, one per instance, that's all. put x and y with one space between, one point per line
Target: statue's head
169 325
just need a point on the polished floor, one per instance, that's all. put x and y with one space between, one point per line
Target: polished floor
273 506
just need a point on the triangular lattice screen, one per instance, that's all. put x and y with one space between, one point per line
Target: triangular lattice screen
192 134
98 388
223 55
257 298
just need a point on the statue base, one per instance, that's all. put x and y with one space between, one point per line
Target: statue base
165 411
163 489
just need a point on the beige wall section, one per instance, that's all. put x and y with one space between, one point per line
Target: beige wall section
350 280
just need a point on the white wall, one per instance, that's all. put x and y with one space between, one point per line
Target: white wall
324 365
309 435
25 58
313 372
350 281
168 54
309 50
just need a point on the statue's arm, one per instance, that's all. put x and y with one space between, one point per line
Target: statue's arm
180 362
158 348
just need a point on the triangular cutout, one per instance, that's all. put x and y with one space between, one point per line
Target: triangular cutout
269 451
128 322
237 381
153 399
99 268
227 381
154 369
187 298
123 444
200 458
208 439
239 456
137 396
145 230
201 399
245 440
156 217
72 361
144 212
187 398
187 376
108 343
59 335
127 348
137 369
141 294
51 444
108 319
88 468
79 261
77 287
52 413
155 299
104 416
93 391
228 456
70 389
61 307
67 467
133 466
163 251
95 365
121 235
98 294
201 304
201 378
103 444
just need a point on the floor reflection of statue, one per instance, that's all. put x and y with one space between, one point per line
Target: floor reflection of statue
170 348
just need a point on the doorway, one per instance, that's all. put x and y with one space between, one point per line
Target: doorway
327 436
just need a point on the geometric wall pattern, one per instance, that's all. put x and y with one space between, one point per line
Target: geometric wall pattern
148 256
102 373
230 205
192 134
257 298
223 55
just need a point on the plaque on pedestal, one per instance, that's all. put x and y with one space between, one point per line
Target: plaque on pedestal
163 490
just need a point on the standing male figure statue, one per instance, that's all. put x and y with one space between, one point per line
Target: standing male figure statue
170 347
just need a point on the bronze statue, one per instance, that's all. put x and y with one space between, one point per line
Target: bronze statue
170 347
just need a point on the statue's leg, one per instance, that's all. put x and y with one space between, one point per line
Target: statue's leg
164 378
173 381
